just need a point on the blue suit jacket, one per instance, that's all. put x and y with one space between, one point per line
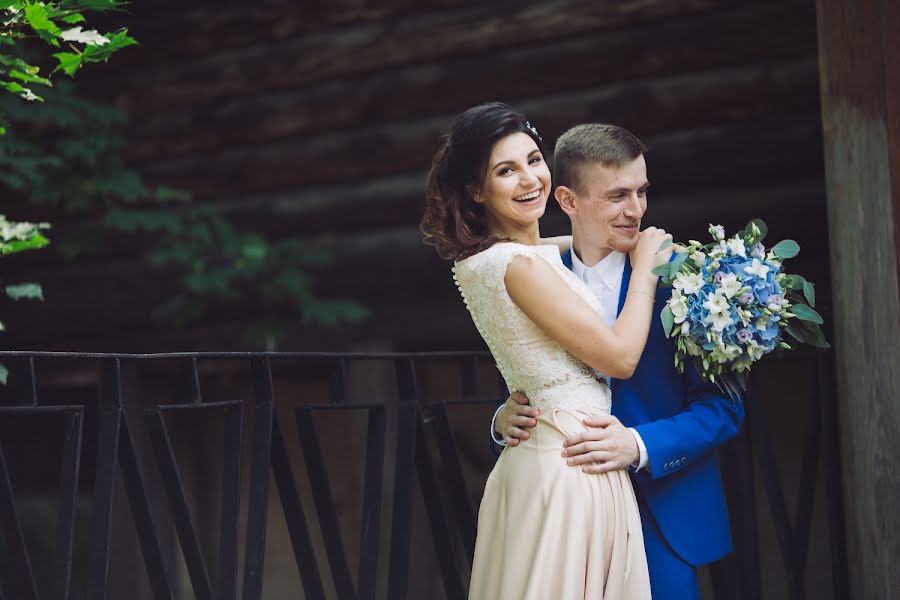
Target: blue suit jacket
682 420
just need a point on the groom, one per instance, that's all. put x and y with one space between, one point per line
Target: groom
665 426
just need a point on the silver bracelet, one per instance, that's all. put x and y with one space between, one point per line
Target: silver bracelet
646 293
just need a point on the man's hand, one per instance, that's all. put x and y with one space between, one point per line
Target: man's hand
515 418
608 447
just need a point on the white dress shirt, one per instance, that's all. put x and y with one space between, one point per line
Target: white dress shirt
605 280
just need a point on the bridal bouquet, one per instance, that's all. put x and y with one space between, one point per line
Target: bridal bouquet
732 303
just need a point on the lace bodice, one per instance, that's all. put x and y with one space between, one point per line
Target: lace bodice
529 360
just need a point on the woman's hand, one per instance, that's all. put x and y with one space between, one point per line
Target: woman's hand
646 254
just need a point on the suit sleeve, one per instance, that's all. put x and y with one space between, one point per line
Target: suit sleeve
708 419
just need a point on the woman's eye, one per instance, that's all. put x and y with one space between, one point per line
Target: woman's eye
504 171
535 160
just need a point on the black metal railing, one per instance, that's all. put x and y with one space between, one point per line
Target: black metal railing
421 447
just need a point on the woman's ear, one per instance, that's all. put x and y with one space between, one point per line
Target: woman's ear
566 198
475 193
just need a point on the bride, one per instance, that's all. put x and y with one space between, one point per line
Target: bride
573 534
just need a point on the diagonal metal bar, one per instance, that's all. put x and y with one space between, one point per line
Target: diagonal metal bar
136 490
324 501
806 494
110 419
404 469
261 456
338 382
775 496
68 493
226 588
833 485
20 576
181 514
747 532
455 489
440 528
371 511
295 517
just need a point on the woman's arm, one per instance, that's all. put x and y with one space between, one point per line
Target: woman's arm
539 291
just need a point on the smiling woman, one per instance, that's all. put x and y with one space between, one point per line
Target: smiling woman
489 147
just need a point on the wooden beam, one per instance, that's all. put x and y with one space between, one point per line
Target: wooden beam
646 106
751 35
377 45
858 50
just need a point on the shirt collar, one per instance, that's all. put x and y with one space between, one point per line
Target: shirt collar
609 270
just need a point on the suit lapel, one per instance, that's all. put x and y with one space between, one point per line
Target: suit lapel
626 279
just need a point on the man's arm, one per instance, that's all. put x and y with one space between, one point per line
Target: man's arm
708 420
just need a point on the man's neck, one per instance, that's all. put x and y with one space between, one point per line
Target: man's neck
589 254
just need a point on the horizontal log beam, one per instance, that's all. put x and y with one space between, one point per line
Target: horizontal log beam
377 45
752 35
647 107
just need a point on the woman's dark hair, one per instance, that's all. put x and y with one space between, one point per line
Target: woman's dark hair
453 222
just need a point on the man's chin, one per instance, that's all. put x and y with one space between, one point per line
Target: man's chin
624 244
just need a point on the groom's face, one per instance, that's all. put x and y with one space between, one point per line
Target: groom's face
610 207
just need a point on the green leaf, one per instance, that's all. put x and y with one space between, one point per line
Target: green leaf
30 291
814 335
668 321
69 62
805 313
662 270
14 246
4 374
786 249
793 328
666 243
809 291
36 16
73 18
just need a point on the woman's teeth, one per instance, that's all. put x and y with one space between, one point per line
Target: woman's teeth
532 196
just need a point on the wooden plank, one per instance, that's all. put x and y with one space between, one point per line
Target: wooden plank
648 107
751 35
215 27
379 45
857 43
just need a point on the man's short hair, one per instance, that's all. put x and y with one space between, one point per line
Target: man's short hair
585 145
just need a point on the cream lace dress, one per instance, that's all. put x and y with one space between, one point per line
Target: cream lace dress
547 531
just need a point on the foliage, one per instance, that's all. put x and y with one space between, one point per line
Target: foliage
18 237
65 154
61 26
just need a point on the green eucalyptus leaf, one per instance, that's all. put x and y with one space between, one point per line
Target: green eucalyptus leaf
662 270
4 374
809 291
668 320
794 329
805 313
786 249
666 243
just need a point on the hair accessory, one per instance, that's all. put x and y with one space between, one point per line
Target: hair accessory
533 130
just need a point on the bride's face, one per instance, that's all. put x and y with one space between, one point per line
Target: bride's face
516 184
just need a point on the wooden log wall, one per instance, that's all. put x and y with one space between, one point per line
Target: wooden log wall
319 120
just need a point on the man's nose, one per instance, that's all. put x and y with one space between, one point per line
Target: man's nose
634 208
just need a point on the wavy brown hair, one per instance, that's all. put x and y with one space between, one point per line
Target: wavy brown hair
453 222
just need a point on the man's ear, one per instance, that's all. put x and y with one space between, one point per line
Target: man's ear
566 198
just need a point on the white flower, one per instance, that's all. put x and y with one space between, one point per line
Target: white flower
685 328
757 268
717 231
720 250
719 312
755 351
699 258
90 37
688 283
742 364
678 306
723 353
28 94
736 245
730 285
